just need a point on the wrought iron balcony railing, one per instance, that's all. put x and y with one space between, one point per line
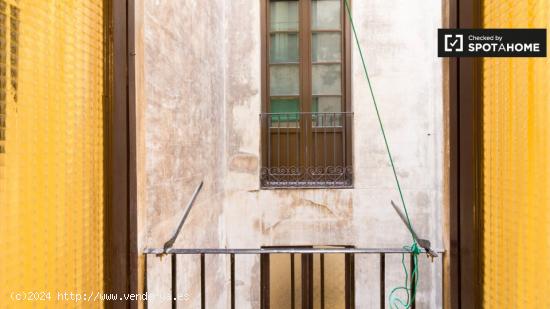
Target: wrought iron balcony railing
290 275
306 149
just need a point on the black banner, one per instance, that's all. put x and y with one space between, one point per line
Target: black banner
491 42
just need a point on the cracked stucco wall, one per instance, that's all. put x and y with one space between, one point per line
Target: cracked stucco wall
200 105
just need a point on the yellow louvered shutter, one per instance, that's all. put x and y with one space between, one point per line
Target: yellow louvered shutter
51 149
516 166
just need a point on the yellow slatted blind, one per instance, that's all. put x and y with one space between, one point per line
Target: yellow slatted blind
516 166
51 149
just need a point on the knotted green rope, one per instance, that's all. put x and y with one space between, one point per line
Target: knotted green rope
395 301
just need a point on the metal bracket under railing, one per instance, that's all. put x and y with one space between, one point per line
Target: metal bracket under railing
423 243
170 242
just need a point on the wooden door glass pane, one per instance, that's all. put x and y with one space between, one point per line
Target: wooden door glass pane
326 47
284 48
326 79
325 15
286 112
327 104
284 80
329 109
284 15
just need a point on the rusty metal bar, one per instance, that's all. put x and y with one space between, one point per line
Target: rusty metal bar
350 281
282 250
298 140
325 180
344 136
278 140
443 274
287 120
203 283
172 239
292 282
307 281
174 281
232 258
322 281
269 124
382 280
413 285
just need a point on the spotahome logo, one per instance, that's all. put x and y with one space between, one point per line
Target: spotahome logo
492 42
454 42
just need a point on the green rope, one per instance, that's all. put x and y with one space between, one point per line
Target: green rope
395 301
414 249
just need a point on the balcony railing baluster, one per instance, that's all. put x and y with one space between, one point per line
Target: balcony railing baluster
412 283
174 261
382 280
203 283
232 262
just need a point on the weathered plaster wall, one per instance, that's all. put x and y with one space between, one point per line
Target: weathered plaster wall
202 89
183 125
